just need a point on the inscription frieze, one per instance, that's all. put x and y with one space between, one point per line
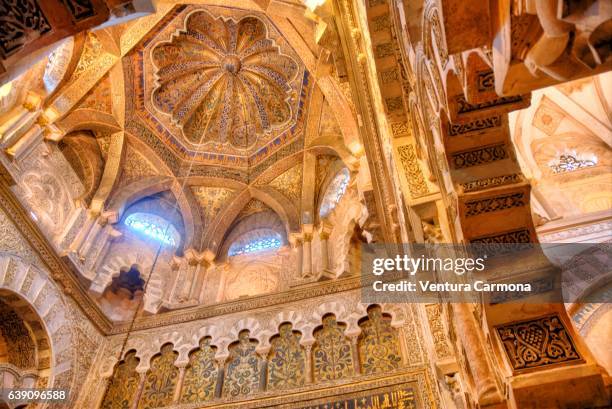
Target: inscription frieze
479 124
480 156
494 204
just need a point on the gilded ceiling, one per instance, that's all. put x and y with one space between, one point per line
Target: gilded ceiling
219 86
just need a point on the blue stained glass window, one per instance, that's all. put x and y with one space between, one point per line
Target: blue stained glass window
334 192
258 244
153 226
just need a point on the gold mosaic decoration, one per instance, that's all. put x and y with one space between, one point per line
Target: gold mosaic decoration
242 372
160 381
286 361
212 200
290 183
123 385
379 349
332 356
223 80
252 207
201 375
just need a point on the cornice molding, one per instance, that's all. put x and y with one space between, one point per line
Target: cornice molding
202 312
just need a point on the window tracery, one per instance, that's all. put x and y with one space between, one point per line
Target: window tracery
286 361
124 383
334 192
332 356
153 226
243 369
252 244
160 381
379 350
200 379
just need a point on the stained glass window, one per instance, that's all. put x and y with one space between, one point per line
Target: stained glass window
153 226
271 241
569 162
334 192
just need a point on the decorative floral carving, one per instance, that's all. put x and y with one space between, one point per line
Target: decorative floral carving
290 183
332 356
212 200
379 350
494 204
480 156
515 236
540 342
224 81
414 175
438 333
464 107
242 373
479 124
201 375
160 380
123 385
21 21
569 163
490 182
287 360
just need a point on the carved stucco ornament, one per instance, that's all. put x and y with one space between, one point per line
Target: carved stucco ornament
224 81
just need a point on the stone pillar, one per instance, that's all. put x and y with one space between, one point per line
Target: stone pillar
307 256
90 239
263 369
179 384
187 274
308 364
206 260
401 332
176 265
481 372
324 236
101 391
220 375
82 235
296 243
355 352
143 376
195 281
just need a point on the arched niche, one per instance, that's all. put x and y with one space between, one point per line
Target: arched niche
25 353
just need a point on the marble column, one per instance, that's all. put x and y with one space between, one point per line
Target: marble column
179 384
355 352
308 364
137 395
482 374
324 232
307 256
220 376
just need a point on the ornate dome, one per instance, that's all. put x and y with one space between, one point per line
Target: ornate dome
223 80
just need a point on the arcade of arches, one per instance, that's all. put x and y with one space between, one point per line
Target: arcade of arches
185 188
